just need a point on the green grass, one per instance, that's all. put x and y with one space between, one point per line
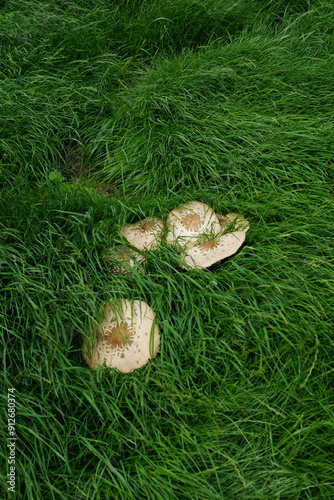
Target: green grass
114 111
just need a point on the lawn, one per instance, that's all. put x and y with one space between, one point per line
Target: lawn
112 112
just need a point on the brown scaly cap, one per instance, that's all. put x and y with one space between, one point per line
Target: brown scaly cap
127 338
189 222
208 253
144 235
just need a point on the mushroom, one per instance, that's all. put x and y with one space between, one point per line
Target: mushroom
144 235
127 338
124 259
213 250
189 222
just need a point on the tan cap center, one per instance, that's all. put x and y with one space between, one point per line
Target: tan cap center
209 245
119 336
191 222
145 227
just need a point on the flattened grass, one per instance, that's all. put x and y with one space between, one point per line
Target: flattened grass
114 113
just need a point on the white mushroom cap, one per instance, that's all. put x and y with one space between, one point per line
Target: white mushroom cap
127 338
124 259
236 221
189 222
144 235
212 251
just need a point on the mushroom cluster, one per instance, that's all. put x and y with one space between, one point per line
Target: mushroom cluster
128 336
201 236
